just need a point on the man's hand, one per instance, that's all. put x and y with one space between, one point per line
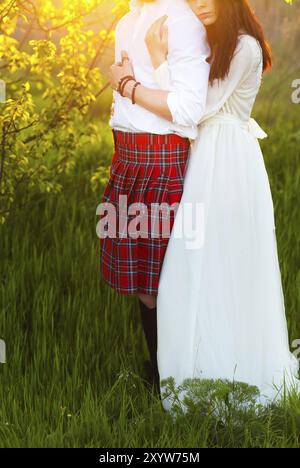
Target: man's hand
120 69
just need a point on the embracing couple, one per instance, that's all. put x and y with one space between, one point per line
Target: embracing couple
185 80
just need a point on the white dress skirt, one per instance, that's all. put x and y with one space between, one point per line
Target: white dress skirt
220 304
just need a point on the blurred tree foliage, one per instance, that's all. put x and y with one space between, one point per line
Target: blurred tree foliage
50 62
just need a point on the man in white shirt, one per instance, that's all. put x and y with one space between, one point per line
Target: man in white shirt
152 133
188 51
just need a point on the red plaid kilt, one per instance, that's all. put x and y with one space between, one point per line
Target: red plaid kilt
147 168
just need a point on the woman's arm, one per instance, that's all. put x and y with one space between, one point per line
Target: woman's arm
157 44
153 100
156 41
246 58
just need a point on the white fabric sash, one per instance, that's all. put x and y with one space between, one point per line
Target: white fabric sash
251 126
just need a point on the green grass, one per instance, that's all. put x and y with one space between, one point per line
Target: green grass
75 348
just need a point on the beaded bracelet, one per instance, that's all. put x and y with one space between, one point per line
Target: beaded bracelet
122 80
133 92
124 83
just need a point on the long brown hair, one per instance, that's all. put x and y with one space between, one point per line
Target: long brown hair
233 16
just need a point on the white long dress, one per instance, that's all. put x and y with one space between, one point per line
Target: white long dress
220 304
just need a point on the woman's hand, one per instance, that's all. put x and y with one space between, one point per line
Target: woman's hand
157 41
120 69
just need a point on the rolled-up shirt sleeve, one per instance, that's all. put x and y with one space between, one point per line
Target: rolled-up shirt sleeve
189 70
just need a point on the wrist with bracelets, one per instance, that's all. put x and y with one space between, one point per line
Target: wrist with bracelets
123 82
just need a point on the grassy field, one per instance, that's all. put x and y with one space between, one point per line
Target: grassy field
75 348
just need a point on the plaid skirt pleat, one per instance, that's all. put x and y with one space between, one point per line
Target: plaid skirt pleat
146 169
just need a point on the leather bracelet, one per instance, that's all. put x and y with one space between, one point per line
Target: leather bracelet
124 83
122 80
133 92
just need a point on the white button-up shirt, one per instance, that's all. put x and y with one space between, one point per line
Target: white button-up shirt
187 54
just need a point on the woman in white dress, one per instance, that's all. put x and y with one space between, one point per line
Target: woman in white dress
220 304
